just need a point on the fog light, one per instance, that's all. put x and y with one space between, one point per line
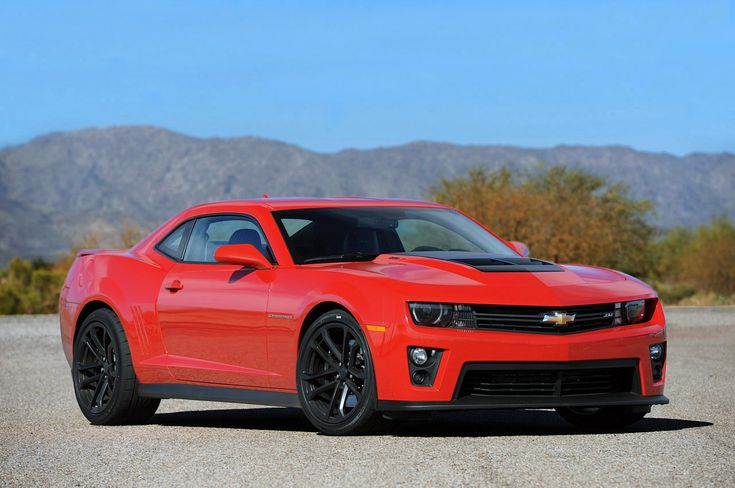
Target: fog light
419 356
656 351
419 377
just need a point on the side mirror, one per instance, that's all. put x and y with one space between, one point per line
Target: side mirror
520 248
242 254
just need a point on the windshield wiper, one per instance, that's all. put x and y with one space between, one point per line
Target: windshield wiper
348 256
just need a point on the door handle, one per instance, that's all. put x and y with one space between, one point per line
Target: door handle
174 286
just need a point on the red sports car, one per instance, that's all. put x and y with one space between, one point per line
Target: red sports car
355 310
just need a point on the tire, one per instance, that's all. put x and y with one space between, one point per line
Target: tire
105 384
338 397
603 417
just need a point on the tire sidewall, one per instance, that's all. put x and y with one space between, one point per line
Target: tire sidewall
367 409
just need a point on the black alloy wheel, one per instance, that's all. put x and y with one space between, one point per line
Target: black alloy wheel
335 376
105 384
96 368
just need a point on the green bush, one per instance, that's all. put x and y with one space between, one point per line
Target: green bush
30 287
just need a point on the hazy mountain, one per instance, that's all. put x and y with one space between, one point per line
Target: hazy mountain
57 186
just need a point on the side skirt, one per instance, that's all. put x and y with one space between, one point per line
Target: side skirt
219 394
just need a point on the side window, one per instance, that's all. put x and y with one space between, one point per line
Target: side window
211 232
173 244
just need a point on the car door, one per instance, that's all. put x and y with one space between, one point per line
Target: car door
212 315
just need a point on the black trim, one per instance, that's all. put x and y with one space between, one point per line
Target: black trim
219 394
622 399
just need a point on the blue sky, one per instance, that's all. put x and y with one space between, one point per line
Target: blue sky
657 75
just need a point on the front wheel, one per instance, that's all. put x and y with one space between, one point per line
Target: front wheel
603 417
335 376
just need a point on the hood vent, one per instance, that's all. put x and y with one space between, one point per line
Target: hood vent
493 264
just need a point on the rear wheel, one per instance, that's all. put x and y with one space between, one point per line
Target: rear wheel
335 376
104 380
603 417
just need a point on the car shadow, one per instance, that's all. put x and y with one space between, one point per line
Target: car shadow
495 423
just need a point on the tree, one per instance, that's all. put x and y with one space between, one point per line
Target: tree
708 261
563 214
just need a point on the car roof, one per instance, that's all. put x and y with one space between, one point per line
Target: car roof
289 203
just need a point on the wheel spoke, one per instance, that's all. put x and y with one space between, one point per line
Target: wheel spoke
91 379
352 386
326 357
331 345
98 345
321 389
92 349
82 367
357 373
100 395
343 399
345 334
321 374
351 353
93 399
330 408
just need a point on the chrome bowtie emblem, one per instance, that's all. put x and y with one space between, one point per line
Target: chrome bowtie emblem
558 318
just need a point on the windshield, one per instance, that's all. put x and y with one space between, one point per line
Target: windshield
361 233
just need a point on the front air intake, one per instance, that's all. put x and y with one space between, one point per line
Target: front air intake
547 379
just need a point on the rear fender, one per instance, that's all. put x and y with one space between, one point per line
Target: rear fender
129 287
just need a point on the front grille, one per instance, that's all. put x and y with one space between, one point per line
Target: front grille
530 319
545 379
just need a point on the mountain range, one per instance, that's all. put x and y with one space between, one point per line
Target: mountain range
58 186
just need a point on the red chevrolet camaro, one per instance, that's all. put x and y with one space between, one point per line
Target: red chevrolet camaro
355 310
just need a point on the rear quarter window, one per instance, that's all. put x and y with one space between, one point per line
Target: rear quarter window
173 244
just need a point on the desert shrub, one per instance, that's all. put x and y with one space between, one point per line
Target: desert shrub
29 287
707 261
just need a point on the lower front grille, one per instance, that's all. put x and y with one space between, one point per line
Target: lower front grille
547 379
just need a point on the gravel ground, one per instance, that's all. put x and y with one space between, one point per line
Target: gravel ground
45 440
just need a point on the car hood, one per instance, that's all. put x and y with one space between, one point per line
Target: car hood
473 278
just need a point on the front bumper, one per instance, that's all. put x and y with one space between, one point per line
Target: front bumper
619 399
464 347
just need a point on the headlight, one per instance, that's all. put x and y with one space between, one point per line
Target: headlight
442 315
633 312
436 314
